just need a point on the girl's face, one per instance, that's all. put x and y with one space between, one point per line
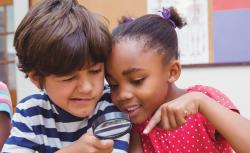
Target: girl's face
78 92
138 79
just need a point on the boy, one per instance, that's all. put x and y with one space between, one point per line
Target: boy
61 47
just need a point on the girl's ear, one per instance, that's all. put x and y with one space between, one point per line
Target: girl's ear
174 71
34 79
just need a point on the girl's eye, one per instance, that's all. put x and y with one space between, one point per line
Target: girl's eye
113 86
138 82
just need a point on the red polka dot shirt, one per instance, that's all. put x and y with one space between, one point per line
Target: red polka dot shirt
196 136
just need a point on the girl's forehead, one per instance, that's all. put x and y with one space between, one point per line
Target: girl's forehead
136 49
131 54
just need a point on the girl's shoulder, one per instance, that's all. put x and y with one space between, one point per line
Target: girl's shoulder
215 94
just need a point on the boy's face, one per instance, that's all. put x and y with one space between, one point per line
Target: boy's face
78 92
138 79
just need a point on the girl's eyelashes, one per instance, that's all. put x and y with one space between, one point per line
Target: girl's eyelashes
113 86
111 83
137 82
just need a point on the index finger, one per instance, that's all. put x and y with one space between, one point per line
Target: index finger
156 118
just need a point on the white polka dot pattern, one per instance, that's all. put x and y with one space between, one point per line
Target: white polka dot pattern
196 136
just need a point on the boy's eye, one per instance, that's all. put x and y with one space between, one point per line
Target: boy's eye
69 78
95 71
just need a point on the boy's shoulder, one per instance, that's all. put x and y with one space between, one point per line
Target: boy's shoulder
40 96
34 103
106 96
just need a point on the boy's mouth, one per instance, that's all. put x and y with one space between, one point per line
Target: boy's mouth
81 100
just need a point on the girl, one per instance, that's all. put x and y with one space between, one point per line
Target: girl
196 119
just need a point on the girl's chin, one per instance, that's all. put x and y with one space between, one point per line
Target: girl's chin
138 120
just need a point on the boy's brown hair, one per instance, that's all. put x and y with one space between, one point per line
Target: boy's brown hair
59 37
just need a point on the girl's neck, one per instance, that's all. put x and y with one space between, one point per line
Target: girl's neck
174 92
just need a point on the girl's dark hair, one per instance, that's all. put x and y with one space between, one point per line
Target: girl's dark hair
155 31
59 37
122 23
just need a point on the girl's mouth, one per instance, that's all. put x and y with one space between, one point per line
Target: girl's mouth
132 111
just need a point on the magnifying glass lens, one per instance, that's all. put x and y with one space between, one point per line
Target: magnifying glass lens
111 126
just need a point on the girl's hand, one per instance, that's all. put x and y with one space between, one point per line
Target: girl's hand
173 114
88 143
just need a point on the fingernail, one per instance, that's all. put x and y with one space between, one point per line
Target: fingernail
145 131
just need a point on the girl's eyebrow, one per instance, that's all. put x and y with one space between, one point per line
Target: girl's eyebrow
131 70
126 72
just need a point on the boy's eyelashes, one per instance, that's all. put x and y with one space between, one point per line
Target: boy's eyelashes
95 71
68 78
74 75
96 68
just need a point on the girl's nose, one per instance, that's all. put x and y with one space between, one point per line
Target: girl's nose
125 95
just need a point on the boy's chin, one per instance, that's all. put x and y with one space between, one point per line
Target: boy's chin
82 114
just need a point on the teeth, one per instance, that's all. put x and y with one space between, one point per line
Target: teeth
132 108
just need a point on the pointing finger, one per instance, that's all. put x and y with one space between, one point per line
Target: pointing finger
153 122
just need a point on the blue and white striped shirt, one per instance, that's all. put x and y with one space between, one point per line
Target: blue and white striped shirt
39 125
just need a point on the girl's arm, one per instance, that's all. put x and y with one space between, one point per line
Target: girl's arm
232 126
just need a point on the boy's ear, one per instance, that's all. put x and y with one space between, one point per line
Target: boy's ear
174 71
34 79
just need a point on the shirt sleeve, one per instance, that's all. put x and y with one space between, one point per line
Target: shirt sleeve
5 100
121 144
219 97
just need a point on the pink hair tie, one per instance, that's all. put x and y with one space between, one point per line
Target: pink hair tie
166 15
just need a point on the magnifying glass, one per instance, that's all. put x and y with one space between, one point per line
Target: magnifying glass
111 125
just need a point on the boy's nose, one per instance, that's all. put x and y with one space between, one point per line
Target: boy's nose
85 86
